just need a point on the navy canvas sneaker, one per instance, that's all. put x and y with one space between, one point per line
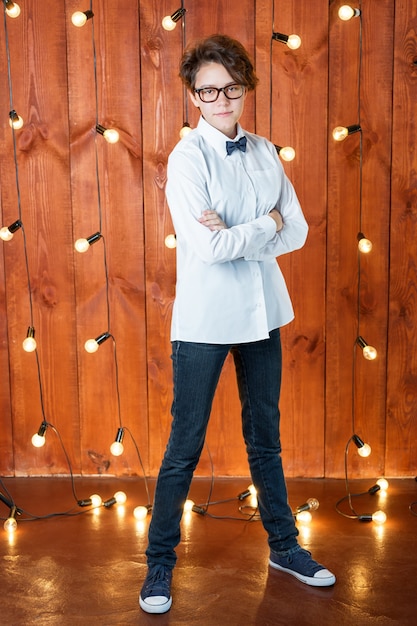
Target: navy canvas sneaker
155 596
303 567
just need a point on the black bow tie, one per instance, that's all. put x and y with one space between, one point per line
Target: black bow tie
236 145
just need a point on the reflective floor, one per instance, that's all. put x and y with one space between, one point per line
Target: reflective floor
87 569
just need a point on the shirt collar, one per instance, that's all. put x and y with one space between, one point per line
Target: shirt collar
216 138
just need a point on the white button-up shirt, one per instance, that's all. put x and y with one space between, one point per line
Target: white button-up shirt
230 288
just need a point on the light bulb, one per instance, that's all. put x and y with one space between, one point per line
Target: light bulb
96 500
304 517
168 23
364 245
364 450
294 42
140 512
91 346
287 153
370 353
340 133
383 484
116 448
185 130
171 241
38 440
379 517
29 344
111 135
346 12
81 245
252 490
16 122
5 234
313 504
120 497
10 525
12 9
79 18
188 506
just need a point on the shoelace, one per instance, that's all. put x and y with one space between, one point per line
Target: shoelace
157 581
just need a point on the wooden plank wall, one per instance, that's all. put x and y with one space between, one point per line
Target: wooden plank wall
120 70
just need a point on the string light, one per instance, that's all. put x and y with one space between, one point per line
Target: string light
292 41
117 447
185 130
364 449
12 8
111 135
140 512
79 18
364 244
7 232
169 22
171 241
92 345
341 132
38 439
369 352
29 343
346 12
10 525
82 245
286 153
119 498
15 121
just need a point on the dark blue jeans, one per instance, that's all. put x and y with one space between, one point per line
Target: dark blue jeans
196 370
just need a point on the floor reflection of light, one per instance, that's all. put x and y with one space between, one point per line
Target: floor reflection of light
140 527
121 511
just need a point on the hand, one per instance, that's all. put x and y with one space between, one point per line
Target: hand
276 216
212 220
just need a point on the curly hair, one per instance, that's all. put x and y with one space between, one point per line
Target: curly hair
218 49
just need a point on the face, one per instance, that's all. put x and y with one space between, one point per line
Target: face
223 114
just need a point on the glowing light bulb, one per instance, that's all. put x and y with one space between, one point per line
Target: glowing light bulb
340 133
117 448
370 353
38 440
185 130
12 9
10 525
140 512
29 344
252 490
81 245
96 500
287 153
171 241
304 517
79 18
5 234
364 245
365 450
111 135
294 42
120 497
91 346
379 517
188 506
16 122
383 484
346 12
168 23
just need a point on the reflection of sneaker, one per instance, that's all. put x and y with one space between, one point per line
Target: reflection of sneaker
302 566
155 596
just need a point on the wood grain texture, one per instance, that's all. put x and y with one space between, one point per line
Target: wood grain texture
401 452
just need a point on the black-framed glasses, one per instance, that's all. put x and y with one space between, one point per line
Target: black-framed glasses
210 94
